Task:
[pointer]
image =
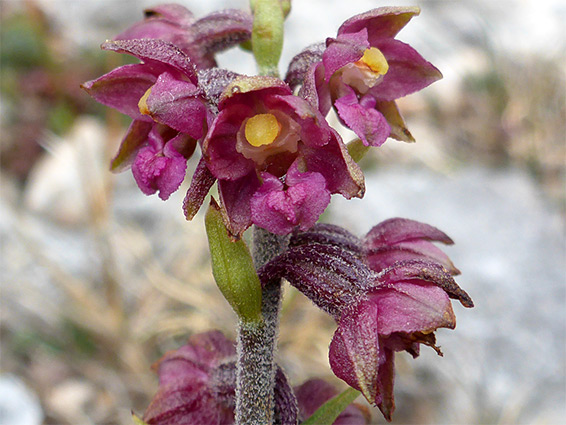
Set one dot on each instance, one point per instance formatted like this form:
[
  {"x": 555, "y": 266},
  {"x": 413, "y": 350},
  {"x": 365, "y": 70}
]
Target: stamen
[
  {"x": 142, "y": 104},
  {"x": 262, "y": 129},
  {"x": 375, "y": 60}
]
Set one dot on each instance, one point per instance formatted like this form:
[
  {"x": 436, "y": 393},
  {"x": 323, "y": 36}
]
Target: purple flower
[
  {"x": 387, "y": 293},
  {"x": 168, "y": 109},
  {"x": 200, "y": 39},
  {"x": 197, "y": 385},
  {"x": 363, "y": 71},
  {"x": 276, "y": 159}
]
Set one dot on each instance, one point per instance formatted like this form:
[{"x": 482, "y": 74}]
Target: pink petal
[
  {"x": 176, "y": 103},
  {"x": 408, "y": 71},
  {"x": 412, "y": 307},
  {"x": 346, "y": 48}
]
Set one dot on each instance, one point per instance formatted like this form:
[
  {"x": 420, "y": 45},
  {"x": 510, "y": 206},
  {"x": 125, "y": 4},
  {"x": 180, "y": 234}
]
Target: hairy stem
[{"x": 255, "y": 374}]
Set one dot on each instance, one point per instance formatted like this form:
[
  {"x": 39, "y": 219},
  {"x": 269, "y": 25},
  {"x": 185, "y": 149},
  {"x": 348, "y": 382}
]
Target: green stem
[
  {"x": 255, "y": 373},
  {"x": 267, "y": 35}
]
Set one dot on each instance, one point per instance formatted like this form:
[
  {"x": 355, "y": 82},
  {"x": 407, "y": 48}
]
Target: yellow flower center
[
  {"x": 262, "y": 129},
  {"x": 374, "y": 60},
  {"x": 142, "y": 104}
]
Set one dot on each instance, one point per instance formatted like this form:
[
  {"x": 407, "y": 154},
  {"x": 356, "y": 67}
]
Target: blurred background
[{"x": 98, "y": 280}]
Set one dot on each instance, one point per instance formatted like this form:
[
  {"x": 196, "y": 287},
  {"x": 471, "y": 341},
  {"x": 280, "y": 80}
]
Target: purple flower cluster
[
  {"x": 276, "y": 161},
  {"x": 274, "y": 156}
]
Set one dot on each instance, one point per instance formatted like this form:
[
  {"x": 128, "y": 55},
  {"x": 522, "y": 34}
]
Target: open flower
[
  {"x": 381, "y": 305},
  {"x": 363, "y": 71},
  {"x": 275, "y": 157},
  {"x": 200, "y": 39},
  {"x": 168, "y": 109}
]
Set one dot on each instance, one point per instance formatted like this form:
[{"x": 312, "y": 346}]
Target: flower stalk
[
  {"x": 255, "y": 368},
  {"x": 267, "y": 35}
]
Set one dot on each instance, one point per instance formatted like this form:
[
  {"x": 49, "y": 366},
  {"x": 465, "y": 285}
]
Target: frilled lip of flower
[
  {"x": 200, "y": 38},
  {"x": 299, "y": 202}
]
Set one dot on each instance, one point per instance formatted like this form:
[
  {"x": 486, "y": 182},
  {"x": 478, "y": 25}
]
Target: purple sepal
[
  {"x": 201, "y": 183},
  {"x": 383, "y": 22},
  {"x": 408, "y": 71},
  {"x": 123, "y": 87},
  {"x": 328, "y": 275},
  {"x": 155, "y": 52}
]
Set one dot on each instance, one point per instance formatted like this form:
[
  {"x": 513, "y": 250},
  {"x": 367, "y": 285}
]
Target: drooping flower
[
  {"x": 387, "y": 293},
  {"x": 275, "y": 158},
  {"x": 168, "y": 108},
  {"x": 363, "y": 71},
  {"x": 200, "y": 39},
  {"x": 197, "y": 385}
]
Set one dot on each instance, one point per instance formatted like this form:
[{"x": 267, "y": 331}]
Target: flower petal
[
  {"x": 408, "y": 71},
  {"x": 382, "y": 258},
  {"x": 151, "y": 51},
  {"x": 383, "y": 22},
  {"x": 346, "y": 48},
  {"x": 123, "y": 87},
  {"x": 426, "y": 272},
  {"x": 410, "y": 307},
  {"x": 135, "y": 138},
  {"x": 396, "y": 230},
  {"x": 222, "y": 29},
  {"x": 235, "y": 198},
  {"x": 177, "y": 104},
  {"x": 341, "y": 173},
  {"x": 201, "y": 183},
  {"x": 354, "y": 351}
]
